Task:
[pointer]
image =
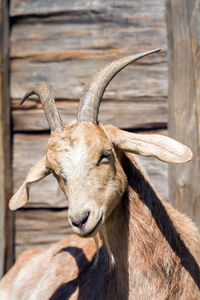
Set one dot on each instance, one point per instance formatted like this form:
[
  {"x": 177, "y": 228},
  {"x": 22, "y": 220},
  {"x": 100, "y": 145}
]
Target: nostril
[
  {"x": 85, "y": 219},
  {"x": 80, "y": 221}
]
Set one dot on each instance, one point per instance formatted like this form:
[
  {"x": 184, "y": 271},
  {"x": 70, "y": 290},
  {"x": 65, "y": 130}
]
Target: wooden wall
[
  {"x": 184, "y": 101},
  {"x": 64, "y": 43},
  {"x": 6, "y": 217}
]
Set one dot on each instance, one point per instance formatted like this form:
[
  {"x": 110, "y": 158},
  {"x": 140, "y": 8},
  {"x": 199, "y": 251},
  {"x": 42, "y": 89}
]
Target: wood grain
[
  {"x": 142, "y": 113},
  {"x": 67, "y": 78},
  {"x": 6, "y": 225},
  {"x": 29, "y": 148},
  {"x": 66, "y": 49},
  {"x": 86, "y": 36},
  {"x": 39, "y": 228},
  {"x": 123, "y": 7},
  {"x": 184, "y": 99}
]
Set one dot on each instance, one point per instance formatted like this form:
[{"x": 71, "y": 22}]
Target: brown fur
[
  {"x": 149, "y": 250},
  {"x": 155, "y": 249}
]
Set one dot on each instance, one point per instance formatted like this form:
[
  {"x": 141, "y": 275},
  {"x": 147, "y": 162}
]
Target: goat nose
[{"x": 80, "y": 220}]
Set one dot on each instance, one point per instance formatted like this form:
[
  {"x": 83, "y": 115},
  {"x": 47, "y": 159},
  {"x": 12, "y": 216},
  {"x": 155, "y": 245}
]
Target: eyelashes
[{"x": 105, "y": 157}]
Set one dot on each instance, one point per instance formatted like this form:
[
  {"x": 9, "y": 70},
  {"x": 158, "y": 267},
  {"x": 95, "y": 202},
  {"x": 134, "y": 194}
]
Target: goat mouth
[{"x": 91, "y": 232}]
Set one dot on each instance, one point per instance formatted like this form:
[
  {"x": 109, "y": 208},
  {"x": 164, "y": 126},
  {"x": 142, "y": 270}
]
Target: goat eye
[{"x": 105, "y": 156}]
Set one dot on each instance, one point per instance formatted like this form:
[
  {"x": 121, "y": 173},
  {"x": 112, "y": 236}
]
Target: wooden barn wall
[
  {"x": 184, "y": 101},
  {"x": 64, "y": 43},
  {"x": 6, "y": 216}
]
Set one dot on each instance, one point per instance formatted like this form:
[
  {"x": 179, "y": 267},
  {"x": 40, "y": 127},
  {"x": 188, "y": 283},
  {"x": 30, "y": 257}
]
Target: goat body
[
  {"x": 148, "y": 249},
  {"x": 155, "y": 250}
]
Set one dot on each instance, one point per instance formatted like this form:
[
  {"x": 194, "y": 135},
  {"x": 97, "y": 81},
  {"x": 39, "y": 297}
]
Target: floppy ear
[
  {"x": 37, "y": 172},
  {"x": 159, "y": 146}
]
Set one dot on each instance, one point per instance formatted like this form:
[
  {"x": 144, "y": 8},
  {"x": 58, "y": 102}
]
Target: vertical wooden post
[
  {"x": 6, "y": 224},
  {"x": 183, "y": 18}
]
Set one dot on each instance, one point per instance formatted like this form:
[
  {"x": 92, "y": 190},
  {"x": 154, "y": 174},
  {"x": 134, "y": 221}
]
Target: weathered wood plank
[
  {"x": 29, "y": 148},
  {"x": 184, "y": 99},
  {"x": 125, "y": 114},
  {"x": 82, "y": 38},
  {"x": 68, "y": 78},
  {"x": 6, "y": 225},
  {"x": 87, "y": 40},
  {"x": 40, "y": 7},
  {"x": 39, "y": 228}
]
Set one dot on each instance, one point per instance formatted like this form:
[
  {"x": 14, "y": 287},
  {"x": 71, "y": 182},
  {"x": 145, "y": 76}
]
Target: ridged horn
[
  {"x": 43, "y": 92},
  {"x": 93, "y": 92}
]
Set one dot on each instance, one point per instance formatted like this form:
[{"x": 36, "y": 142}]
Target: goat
[{"x": 146, "y": 248}]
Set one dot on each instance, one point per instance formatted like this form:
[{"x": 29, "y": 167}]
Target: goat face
[
  {"x": 84, "y": 161},
  {"x": 85, "y": 156}
]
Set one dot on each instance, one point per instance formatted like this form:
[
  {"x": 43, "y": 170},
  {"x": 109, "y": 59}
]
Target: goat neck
[{"x": 145, "y": 246}]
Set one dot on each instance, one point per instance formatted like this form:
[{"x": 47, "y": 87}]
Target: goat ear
[
  {"x": 159, "y": 146},
  {"x": 38, "y": 172}
]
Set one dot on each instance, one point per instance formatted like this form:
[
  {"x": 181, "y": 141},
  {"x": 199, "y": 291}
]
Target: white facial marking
[{"x": 74, "y": 160}]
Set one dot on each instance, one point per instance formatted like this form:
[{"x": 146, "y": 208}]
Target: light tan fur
[{"x": 149, "y": 250}]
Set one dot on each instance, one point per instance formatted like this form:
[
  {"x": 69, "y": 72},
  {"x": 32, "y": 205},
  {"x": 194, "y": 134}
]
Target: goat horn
[
  {"x": 42, "y": 90},
  {"x": 91, "y": 97}
]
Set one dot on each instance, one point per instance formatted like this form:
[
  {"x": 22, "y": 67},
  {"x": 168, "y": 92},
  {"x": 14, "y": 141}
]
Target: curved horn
[
  {"x": 91, "y": 97},
  {"x": 41, "y": 89}
]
